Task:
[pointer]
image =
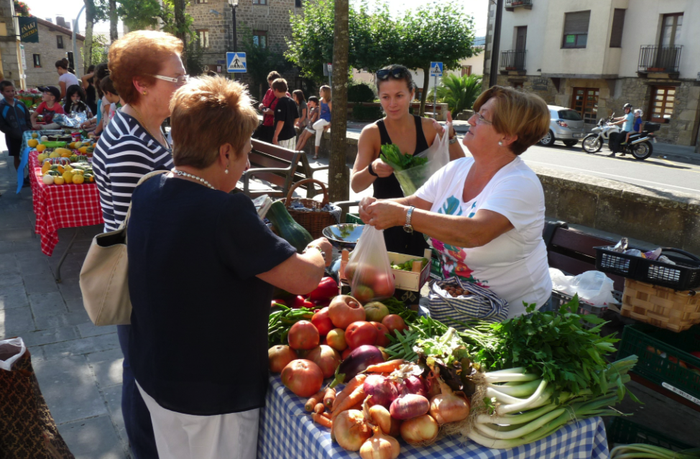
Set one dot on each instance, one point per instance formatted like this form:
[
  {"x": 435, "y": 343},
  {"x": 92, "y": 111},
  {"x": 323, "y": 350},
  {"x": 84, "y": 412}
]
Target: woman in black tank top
[{"x": 411, "y": 134}]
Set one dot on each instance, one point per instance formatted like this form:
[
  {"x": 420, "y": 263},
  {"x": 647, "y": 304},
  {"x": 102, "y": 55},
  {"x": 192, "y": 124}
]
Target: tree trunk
[
  {"x": 424, "y": 96},
  {"x": 113, "y": 20},
  {"x": 338, "y": 175},
  {"x": 181, "y": 26},
  {"x": 87, "y": 45}
]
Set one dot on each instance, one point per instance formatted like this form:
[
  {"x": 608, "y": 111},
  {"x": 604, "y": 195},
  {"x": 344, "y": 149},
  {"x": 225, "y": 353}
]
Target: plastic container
[
  {"x": 664, "y": 357},
  {"x": 622, "y": 431}
]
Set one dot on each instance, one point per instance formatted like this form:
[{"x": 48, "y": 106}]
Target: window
[
  {"x": 37, "y": 61},
  {"x": 260, "y": 38},
  {"x": 297, "y": 3},
  {"x": 466, "y": 70},
  {"x": 202, "y": 1},
  {"x": 259, "y": 2},
  {"x": 576, "y": 29},
  {"x": 517, "y": 85},
  {"x": 662, "y": 99},
  {"x": 59, "y": 41},
  {"x": 671, "y": 29},
  {"x": 617, "y": 26},
  {"x": 585, "y": 102},
  {"x": 203, "y": 38}
]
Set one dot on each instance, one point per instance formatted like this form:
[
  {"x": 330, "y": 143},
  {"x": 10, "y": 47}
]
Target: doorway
[{"x": 585, "y": 102}]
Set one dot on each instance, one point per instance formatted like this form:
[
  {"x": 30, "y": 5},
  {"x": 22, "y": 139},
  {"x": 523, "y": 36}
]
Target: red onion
[
  {"x": 382, "y": 390},
  {"x": 409, "y": 406},
  {"x": 414, "y": 385}
]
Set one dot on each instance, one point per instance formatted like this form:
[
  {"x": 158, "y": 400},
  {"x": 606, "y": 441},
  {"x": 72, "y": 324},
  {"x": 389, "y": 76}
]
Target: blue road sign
[
  {"x": 236, "y": 63},
  {"x": 435, "y": 69}
]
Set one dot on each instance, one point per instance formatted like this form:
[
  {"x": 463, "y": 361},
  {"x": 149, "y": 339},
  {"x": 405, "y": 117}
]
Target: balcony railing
[
  {"x": 513, "y": 61},
  {"x": 513, "y": 4},
  {"x": 659, "y": 59}
]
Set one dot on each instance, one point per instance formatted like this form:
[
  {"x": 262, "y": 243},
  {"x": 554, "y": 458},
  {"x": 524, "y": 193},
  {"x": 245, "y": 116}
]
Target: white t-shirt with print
[{"x": 514, "y": 264}]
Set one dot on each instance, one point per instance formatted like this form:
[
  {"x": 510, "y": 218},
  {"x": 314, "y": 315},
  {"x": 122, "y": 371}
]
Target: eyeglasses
[
  {"x": 183, "y": 79},
  {"x": 480, "y": 119},
  {"x": 396, "y": 73}
]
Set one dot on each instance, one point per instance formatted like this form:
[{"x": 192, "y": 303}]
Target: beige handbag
[{"x": 104, "y": 277}]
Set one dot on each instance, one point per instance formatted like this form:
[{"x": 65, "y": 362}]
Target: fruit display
[{"x": 60, "y": 165}]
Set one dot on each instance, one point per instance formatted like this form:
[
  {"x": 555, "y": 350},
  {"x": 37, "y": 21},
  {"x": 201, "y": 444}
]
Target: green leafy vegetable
[
  {"x": 408, "y": 265},
  {"x": 391, "y": 155}
]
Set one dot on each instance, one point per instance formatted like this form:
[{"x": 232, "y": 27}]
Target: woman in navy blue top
[{"x": 202, "y": 266}]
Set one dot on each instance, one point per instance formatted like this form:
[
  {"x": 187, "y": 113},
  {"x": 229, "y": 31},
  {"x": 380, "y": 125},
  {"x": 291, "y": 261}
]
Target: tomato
[
  {"x": 394, "y": 322},
  {"x": 382, "y": 331},
  {"x": 326, "y": 358},
  {"x": 359, "y": 333},
  {"x": 384, "y": 285},
  {"x": 279, "y": 356},
  {"x": 336, "y": 339},
  {"x": 327, "y": 289},
  {"x": 279, "y": 301},
  {"x": 346, "y": 353},
  {"x": 363, "y": 293},
  {"x": 345, "y": 310},
  {"x": 297, "y": 302},
  {"x": 322, "y": 322},
  {"x": 303, "y": 377},
  {"x": 303, "y": 335}
]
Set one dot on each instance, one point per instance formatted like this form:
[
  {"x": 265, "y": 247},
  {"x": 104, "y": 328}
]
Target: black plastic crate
[
  {"x": 684, "y": 275},
  {"x": 622, "y": 431}
]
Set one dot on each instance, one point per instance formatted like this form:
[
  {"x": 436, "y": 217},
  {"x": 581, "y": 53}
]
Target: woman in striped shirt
[{"x": 146, "y": 69}]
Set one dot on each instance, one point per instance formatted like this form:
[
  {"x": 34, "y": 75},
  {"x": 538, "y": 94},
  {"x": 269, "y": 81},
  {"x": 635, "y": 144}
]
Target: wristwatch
[{"x": 407, "y": 226}]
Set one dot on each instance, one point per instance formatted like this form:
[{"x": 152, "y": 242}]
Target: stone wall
[
  {"x": 214, "y": 17},
  {"x": 49, "y": 53},
  {"x": 9, "y": 68}
]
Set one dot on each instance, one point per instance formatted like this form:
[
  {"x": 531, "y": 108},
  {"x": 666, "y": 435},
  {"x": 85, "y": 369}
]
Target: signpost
[
  {"x": 236, "y": 63},
  {"x": 435, "y": 71}
]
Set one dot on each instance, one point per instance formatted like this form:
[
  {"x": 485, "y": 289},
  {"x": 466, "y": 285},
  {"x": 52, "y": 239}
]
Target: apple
[
  {"x": 382, "y": 331},
  {"x": 363, "y": 293},
  {"x": 303, "y": 335},
  {"x": 394, "y": 322},
  {"x": 345, "y": 310},
  {"x": 326, "y": 358},
  {"x": 279, "y": 356},
  {"x": 376, "y": 311},
  {"x": 359, "y": 333},
  {"x": 322, "y": 322},
  {"x": 336, "y": 339}
]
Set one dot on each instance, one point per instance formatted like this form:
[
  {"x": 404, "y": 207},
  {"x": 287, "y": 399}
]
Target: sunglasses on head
[{"x": 396, "y": 73}]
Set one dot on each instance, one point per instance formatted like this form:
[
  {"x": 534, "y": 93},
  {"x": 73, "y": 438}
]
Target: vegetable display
[{"x": 408, "y": 265}]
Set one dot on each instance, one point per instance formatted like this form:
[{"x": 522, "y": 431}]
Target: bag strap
[{"x": 143, "y": 179}]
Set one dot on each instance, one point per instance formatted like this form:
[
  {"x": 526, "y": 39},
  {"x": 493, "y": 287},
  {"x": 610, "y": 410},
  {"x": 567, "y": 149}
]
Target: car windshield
[{"x": 571, "y": 115}]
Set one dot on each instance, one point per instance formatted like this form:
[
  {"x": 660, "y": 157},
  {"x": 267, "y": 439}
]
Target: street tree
[
  {"x": 435, "y": 32},
  {"x": 261, "y": 60},
  {"x": 338, "y": 175},
  {"x": 94, "y": 12}
]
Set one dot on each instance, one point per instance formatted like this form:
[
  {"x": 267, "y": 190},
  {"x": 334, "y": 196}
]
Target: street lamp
[{"x": 234, "y": 5}]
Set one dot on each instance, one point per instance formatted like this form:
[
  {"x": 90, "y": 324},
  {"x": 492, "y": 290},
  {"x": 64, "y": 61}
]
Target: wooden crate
[{"x": 660, "y": 306}]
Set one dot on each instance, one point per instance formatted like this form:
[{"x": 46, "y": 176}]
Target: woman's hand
[
  {"x": 364, "y": 202},
  {"x": 383, "y": 214},
  {"x": 381, "y": 168},
  {"x": 323, "y": 244}
]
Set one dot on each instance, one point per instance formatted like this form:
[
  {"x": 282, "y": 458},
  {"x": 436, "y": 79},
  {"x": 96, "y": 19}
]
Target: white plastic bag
[
  {"x": 10, "y": 351},
  {"x": 438, "y": 155},
  {"x": 369, "y": 269},
  {"x": 593, "y": 287}
]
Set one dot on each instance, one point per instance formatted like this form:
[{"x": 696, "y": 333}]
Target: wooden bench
[{"x": 274, "y": 169}]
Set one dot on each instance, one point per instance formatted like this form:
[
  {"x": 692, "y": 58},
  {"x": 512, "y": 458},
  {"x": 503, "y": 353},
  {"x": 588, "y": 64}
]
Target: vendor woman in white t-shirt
[{"x": 485, "y": 214}]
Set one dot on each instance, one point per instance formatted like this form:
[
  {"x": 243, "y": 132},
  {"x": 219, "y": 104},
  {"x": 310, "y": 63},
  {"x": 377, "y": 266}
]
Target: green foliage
[
  {"x": 366, "y": 112},
  {"x": 459, "y": 92},
  {"x": 311, "y": 44},
  {"x": 143, "y": 14},
  {"x": 98, "y": 50},
  {"x": 194, "y": 58},
  {"x": 361, "y": 92}
]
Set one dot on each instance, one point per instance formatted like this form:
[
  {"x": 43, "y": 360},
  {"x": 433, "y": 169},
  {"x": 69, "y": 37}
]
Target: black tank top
[{"x": 397, "y": 240}]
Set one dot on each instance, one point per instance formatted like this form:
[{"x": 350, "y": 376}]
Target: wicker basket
[
  {"x": 313, "y": 221},
  {"x": 660, "y": 306}
]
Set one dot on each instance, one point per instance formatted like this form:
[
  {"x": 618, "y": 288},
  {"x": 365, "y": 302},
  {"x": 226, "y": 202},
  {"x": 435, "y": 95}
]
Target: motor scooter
[{"x": 639, "y": 145}]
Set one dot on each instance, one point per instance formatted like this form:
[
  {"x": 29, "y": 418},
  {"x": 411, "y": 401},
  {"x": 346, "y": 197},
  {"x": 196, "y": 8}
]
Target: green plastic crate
[
  {"x": 435, "y": 264},
  {"x": 624, "y": 432},
  {"x": 663, "y": 355},
  {"x": 353, "y": 218}
]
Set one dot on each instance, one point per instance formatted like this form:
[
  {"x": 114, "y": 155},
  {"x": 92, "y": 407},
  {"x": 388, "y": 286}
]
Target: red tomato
[
  {"x": 297, "y": 302},
  {"x": 303, "y": 377},
  {"x": 322, "y": 322},
  {"x": 345, "y": 310},
  {"x": 303, "y": 335},
  {"x": 359, "y": 333},
  {"x": 279, "y": 356},
  {"x": 327, "y": 289},
  {"x": 394, "y": 322},
  {"x": 326, "y": 358},
  {"x": 382, "y": 331},
  {"x": 279, "y": 301},
  {"x": 346, "y": 353}
]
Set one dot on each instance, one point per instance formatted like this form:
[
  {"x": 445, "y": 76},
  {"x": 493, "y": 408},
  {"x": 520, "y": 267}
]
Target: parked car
[{"x": 565, "y": 125}]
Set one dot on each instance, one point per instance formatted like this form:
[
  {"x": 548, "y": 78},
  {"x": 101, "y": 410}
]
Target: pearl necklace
[{"x": 194, "y": 177}]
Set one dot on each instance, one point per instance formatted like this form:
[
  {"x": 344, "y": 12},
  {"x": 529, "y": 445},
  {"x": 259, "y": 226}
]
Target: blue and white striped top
[{"x": 125, "y": 153}]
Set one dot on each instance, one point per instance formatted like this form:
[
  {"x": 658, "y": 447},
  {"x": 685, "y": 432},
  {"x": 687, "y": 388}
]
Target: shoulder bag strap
[{"x": 143, "y": 179}]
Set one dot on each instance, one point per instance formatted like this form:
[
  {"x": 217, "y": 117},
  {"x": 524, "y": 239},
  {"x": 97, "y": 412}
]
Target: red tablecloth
[{"x": 61, "y": 206}]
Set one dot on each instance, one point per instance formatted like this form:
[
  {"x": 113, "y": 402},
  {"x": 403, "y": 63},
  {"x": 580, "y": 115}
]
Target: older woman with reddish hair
[{"x": 146, "y": 70}]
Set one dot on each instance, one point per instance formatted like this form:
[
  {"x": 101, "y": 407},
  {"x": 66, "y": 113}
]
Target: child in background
[
  {"x": 299, "y": 98},
  {"x": 286, "y": 114},
  {"x": 324, "y": 117},
  {"x": 308, "y": 130},
  {"x": 75, "y": 97},
  {"x": 637, "y": 125},
  {"x": 14, "y": 120},
  {"x": 112, "y": 96},
  {"x": 48, "y": 107}
]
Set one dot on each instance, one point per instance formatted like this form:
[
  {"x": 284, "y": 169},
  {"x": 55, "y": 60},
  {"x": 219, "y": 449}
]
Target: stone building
[
  {"x": 596, "y": 55},
  {"x": 55, "y": 43},
  {"x": 10, "y": 50},
  {"x": 267, "y": 20}
]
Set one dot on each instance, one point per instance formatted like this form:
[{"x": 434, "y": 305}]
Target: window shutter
[
  {"x": 575, "y": 23},
  {"x": 617, "y": 27}
]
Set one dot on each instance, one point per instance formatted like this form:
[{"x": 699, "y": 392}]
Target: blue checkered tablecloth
[
  {"x": 24, "y": 153},
  {"x": 287, "y": 431}
]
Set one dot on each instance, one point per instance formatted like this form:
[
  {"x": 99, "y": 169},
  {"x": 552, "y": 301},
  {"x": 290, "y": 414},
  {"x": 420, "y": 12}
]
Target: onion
[
  {"x": 414, "y": 385},
  {"x": 380, "y": 416},
  {"x": 409, "y": 406},
  {"x": 380, "y": 446},
  {"x": 350, "y": 430},
  {"x": 381, "y": 389},
  {"x": 448, "y": 406},
  {"x": 421, "y": 429}
]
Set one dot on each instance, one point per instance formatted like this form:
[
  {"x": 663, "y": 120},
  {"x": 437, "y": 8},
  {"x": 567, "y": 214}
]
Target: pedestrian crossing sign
[
  {"x": 236, "y": 63},
  {"x": 436, "y": 69}
]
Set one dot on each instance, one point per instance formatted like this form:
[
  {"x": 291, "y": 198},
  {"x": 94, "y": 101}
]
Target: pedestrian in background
[
  {"x": 266, "y": 129},
  {"x": 66, "y": 78},
  {"x": 324, "y": 117},
  {"x": 300, "y": 100},
  {"x": 286, "y": 115},
  {"x": 309, "y": 130},
  {"x": 14, "y": 120}
]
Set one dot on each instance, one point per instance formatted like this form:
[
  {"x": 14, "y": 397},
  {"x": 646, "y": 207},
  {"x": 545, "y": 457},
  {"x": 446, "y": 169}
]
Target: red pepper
[
  {"x": 298, "y": 302},
  {"x": 327, "y": 289},
  {"x": 279, "y": 301}
]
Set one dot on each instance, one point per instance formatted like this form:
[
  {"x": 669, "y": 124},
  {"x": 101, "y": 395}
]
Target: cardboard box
[{"x": 409, "y": 280}]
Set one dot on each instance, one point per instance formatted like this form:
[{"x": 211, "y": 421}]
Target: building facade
[
  {"x": 55, "y": 43},
  {"x": 10, "y": 46},
  {"x": 596, "y": 55}
]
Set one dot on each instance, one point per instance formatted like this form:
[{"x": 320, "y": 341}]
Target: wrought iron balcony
[
  {"x": 511, "y": 5},
  {"x": 659, "y": 59},
  {"x": 513, "y": 61}
]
